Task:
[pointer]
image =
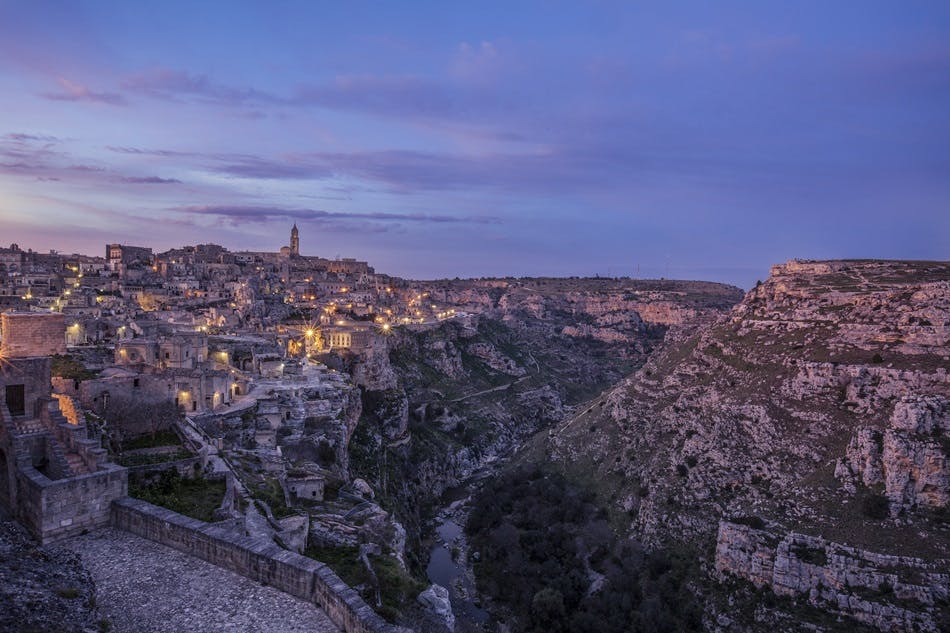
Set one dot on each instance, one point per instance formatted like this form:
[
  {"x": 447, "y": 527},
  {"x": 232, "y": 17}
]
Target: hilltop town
[{"x": 292, "y": 404}]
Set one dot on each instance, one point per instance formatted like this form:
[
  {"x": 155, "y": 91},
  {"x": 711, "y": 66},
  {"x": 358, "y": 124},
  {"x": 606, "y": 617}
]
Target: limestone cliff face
[
  {"x": 909, "y": 458},
  {"x": 614, "y": 311},
  {"x": 818, "y": 406},
  {"x": 444, "y": 400},
  {"x": 892, "y": 593}
]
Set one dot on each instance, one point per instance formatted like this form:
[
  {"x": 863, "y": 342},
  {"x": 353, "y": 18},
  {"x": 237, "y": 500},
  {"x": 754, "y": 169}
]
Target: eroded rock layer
[{"x": 817, "y": 409}]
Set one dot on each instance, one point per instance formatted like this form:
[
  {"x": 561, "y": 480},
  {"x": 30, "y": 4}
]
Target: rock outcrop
[
  {"x": 818, "y": 406},
  {"x": 892, "y": 593}
]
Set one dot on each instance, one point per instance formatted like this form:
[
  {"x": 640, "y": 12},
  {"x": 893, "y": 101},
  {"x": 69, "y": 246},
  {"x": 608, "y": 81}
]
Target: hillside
[
  {"x": 799, "y": 444},
  {"x": 442, "y": 401}
]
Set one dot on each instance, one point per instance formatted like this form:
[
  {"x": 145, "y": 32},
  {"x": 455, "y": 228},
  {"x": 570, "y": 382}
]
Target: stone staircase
[{"x": 76, "y": 464}]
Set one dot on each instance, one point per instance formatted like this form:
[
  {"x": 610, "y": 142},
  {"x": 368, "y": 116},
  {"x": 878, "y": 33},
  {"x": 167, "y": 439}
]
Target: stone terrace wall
[
  {"x": 259, "y": 559},
  {"x": 892, "y": 593},
  {"x": 56, "y": 509}
]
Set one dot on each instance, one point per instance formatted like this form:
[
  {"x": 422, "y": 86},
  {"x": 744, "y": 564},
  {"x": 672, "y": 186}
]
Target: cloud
[
  {"x": 34, "y": 155},
  {"x": 22, "y": 137},
  {"x": 173, "y": 85},
  {"x": 138, "y": 151},
  {"x": 255, "y": 167},
  {"x": 72, "y": 91},
  {"x": 242, "y": 213},
  {"x": 150, "y": 180}
]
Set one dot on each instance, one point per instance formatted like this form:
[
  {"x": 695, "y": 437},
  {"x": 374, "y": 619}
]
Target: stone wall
[
  {"x": 56, "y": 509},
  {"x": 259, "y": 559},
  {"x": 28, "y": 334},
  {"x": 892, "y": 593}
]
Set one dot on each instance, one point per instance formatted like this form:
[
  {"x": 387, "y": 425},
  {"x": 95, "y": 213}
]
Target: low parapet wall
[{"x": 259, "y": 559}]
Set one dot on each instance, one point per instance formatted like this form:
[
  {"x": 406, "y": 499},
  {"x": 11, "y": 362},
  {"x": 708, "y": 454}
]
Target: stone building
[
  {"x": 182, "y": 350},
  {"x": 120, "y": 255},
  {"x": 194, "y": 390},
  {"x": 54, "y": 476},
  {"x": 304, "y": 486}
]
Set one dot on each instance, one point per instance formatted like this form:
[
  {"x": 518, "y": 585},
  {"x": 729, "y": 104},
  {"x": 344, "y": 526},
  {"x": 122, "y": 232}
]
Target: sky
[{"x": 690, "y": 140}]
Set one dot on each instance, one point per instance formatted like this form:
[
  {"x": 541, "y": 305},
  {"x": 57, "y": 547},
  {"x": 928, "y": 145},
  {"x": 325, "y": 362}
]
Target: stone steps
[{"x": 76, "y": 464}]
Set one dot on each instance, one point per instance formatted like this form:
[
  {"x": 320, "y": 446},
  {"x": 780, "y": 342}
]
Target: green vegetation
[
  {"x": 810, "y": 555},
  {"x": 537, "y": 533},
  {"x": 131, "y": 418},
  {"x": 750, "y": 520},
  {"x": 270, "y": 492},
  {"x": 397, "y": 589},
  {"x": 165, "y": 437},
  {"x": 65, "y": 366},
  {"x": 875, "y": 507},
  {"x": 142, "y": 459},
  {"x": 197, "y": 498}
]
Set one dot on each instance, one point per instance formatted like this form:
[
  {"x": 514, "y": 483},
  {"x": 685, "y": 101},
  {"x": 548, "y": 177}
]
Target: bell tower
[{"x": 294, "y": 240}]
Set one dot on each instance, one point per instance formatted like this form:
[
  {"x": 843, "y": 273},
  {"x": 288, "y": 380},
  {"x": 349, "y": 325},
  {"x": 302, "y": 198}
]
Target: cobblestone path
[{"x": 142, "y": 586}]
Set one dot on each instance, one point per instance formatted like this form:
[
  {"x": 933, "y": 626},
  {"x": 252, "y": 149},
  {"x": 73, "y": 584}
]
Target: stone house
[{"x": 54, "y": 476}]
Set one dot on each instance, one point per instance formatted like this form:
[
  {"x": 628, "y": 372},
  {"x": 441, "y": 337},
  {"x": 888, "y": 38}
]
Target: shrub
[
  {"x": 536, "y": 532},
  {"x": 877, "y": 358},
  {"x": 750, "y": 520},
  {"x": 875, "y": 507}
]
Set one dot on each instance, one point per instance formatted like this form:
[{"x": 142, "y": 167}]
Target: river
[{"x": 448, "y": 561}]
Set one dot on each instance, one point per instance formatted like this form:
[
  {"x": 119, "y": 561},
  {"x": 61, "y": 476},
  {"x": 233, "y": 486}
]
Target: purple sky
[{"x": 686, "y": 140}]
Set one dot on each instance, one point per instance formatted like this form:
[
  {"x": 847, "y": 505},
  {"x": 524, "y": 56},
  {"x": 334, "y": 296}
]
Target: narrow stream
[
  {"x": 449, "y": 563},
  {"x": 452, "y": 575}
]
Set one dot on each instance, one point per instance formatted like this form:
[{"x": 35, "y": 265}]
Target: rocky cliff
[
  {"x": 615, "y": 311},
  {"x": 816, "y": 409},
  {"x": 442, "y": 401}
]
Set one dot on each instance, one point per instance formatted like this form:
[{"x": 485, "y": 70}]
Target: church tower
[{"x": 294, "y": 240}]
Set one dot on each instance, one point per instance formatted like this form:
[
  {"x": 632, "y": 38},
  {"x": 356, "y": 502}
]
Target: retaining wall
[{"x": 259, "y": 559}]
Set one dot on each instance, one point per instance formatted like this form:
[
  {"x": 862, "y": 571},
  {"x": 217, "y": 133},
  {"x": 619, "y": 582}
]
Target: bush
[
  {"x": 750, "y": 520},
  {"x": 197, "y": 498},
  {"x": 877, "y": 358},
  {"x": 875, "y": 507},
  {"x": 537, "y": 532}
]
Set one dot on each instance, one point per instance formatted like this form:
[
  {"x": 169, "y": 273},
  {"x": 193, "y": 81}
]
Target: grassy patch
[
  {"x": 141, "y": 459},
  {"x": 165, "y": 437},
  {"x": 271, "y": 493},
  {"x": 397, "y": 589},
  {"x": 197, "y": 498}
]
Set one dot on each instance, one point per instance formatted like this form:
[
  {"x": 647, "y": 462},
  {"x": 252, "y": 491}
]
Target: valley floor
[{"x": 144, "y": 586}]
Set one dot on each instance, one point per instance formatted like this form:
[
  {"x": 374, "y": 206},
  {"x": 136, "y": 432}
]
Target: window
[
  {"x": 135, "y": 382},
  {"x": 166, "y": 355}
]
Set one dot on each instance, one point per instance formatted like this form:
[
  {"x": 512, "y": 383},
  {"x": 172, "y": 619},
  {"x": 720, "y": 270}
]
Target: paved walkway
[{"x": 144, "y": 586}]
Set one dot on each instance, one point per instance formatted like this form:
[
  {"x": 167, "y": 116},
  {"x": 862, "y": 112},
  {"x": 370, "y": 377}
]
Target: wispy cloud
[
  {"x": 175, "y": 85},
  {"x": 72, "y": 91},
  {"x": 150, "y": 180},
  {"x": 45, "y": 158},
  {"x": 242, "y": 213}
]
